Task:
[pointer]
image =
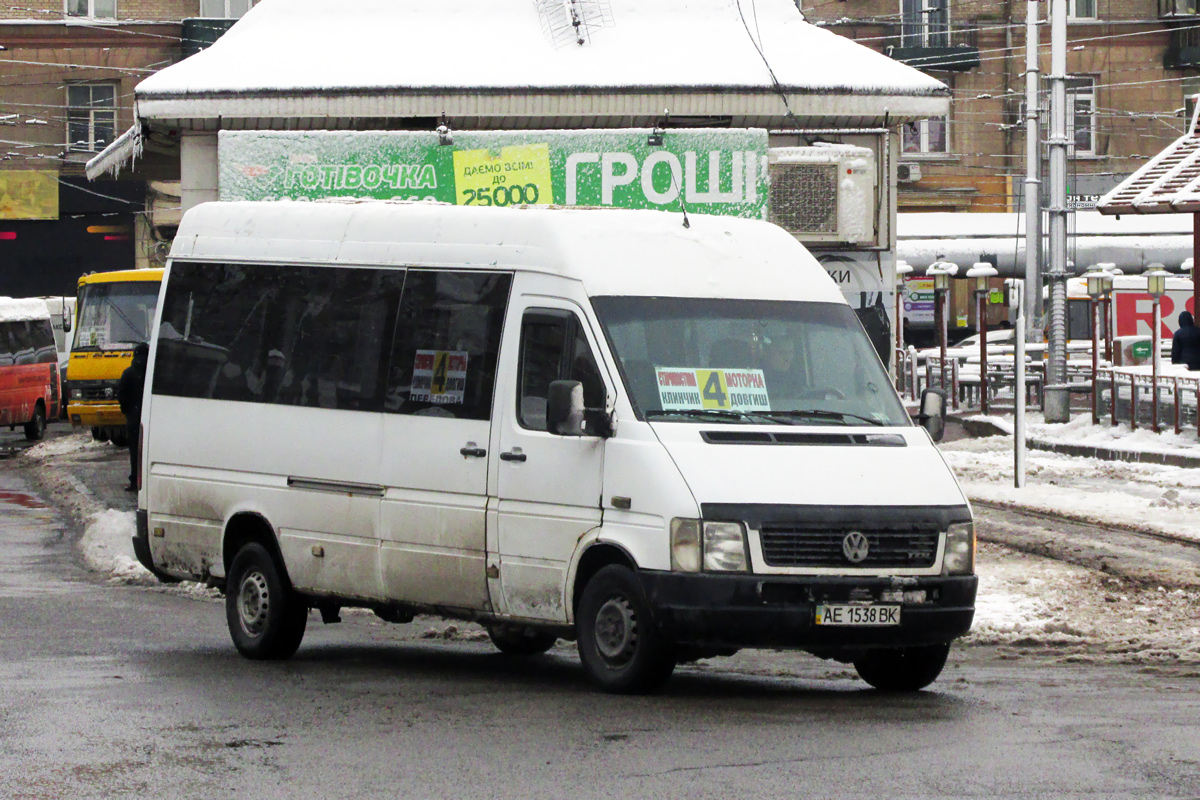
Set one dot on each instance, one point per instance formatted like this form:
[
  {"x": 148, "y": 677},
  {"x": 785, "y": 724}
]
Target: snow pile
[
  {"x": 106, "y": 547},
  {"x": 1081, "y": 431},
  {"x": 64, "y": 445},
  {"x": 1031, "y": 603}
]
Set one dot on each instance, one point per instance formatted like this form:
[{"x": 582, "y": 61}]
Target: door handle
[
  {"x": 473, "y": 452},
  {"x": 512, "y": 455}
]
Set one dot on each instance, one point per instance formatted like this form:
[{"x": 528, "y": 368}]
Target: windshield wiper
[
  {"x": 711, "y": 412},
  {"x": 819, "y": 413}
]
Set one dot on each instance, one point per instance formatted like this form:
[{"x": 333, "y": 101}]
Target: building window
[
  {"x": 1081, "y": 116},
  {"x": 96, "y": 9},
  {"x": 91, "y": 115},
  {"x": 1177, "y": 8},
  {"x": 1081, "y": 9},
  {"x": 925, "y": 23},
  {"x": 224, "y": 9},
  {"x": 928, "y": 136}
]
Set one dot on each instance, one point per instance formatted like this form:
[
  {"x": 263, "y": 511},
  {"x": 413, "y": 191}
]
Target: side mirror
[
  {"x": 564, "y": 408},
  {"x": 66, "y": 316},
  {"x": 933, "y": 413}
]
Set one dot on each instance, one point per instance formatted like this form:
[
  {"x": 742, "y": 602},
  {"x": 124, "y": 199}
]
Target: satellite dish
[{"x": 567, "y": 22}]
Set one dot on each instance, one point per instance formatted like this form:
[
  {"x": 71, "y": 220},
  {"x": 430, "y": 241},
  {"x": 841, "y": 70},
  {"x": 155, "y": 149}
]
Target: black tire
[
  {"x": 266, "y": 617},
  {"x": 519, "y": 640},
  {"x": 619, "y": 643},
  {"x": 903, "y": 669},
  {"x": 119, "y": 438},
  {"x": 99, "y": 434},
  {"x": 35, "y": 429}
]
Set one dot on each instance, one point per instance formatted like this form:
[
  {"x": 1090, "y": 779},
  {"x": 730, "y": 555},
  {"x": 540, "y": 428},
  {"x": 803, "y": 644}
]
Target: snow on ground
[
  {"x": 1076, "y": 614},
  {"x": 1148, "y": 496}
]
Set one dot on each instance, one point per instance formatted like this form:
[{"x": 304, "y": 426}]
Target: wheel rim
[
  {"x": 616, "y": 630},
  {"x": 254, "y": 603}
]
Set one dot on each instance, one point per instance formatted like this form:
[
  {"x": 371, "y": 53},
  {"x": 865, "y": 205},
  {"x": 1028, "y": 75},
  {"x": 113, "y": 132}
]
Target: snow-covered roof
[
  {"x": 1169, "y": 183},
  {"x": 611, "y": 251},
  {"x": 15, "y": 310},
  {"x": 494, "y": 60}
]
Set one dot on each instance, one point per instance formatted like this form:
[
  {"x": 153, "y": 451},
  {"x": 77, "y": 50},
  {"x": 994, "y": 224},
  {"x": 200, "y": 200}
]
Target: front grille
[
  {"x": 97, "y": 393},
  {"x": 796, "y": 544}
]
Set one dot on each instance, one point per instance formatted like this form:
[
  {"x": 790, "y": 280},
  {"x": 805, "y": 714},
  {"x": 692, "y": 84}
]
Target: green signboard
[{"x": 706, "y": 171}]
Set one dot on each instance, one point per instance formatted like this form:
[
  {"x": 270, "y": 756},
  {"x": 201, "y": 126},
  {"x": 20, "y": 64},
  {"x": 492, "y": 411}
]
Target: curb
[{"x": 981, "y": 428}]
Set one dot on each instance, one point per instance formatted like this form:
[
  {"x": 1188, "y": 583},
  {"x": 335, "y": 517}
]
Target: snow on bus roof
[
  {"x": 402, "y": 45},
  {"x": 612, "y": 251},
  {"x": 19, "y": 309}
]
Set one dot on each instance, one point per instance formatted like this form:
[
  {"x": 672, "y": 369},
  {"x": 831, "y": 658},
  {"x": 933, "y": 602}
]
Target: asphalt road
[{"x": 115, "y": 691}]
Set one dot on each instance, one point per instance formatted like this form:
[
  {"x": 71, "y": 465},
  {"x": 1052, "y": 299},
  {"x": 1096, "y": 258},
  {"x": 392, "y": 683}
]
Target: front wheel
[
  {"x": 118, "y": 437},
  {"x": 35, "y": 429},
  {"x": 903, "y": 669},
  {"x": 518, "y": 640},
  {"x": 619, "y": 645},
  {"x": 266, "y": 617}
]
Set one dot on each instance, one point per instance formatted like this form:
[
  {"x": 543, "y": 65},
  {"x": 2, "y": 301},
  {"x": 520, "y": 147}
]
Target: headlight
[
  {"x": 712, "y": 546},
  {"x": 685, "y": 545},
  {"x": 960, "y": 549},
  {"x": 77, "y": 394},
  {"x": 724, "y": 547}
]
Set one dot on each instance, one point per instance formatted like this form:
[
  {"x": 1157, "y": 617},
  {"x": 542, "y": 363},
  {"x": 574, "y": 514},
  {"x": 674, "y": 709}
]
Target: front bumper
[
  {"x": 90, "y": 414},
  {"x": 779, "y": 611}
]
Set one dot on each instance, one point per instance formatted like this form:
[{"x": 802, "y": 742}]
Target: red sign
[{"x": 1134, "y": 312}]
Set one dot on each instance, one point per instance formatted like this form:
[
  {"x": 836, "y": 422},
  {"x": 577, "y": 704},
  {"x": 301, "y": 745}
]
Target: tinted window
[
  {"x": 42, "y": 335},
  {"x": 553, "y": 348},
  {"x": 447, "y": 340},
  {"x": 305, "y": 336},
  {"x": 6, "y": 344}
]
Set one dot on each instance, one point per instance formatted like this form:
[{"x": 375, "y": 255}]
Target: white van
[{"x": 664, "y": 438}]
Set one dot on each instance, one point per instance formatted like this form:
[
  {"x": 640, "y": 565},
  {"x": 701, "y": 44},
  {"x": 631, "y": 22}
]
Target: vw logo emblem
[{"x": 855, "y": 547}]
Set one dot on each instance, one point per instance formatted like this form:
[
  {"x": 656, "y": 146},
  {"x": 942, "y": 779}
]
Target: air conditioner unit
[
  {"x": 907, "y": 173},
  {"x": 824, "y": 193}
]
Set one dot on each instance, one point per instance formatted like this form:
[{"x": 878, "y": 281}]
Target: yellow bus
[{"x": 114, "y": 311}]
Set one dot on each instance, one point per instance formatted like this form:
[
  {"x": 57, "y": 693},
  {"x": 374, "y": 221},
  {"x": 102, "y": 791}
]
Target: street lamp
[
  {"x": 1156, "y": 286},
  {"x": 981, "y": 271},
  {"x": 1097, "y": 276},
  {"x": 941, "y": 272},
  {"x": 903, "y": 268}
]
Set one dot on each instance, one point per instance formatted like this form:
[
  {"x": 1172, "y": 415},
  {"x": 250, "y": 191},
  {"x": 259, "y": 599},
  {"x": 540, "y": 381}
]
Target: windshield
[
  {"x": 750, "y": 361},
  {"x": 115, "y": 316}
]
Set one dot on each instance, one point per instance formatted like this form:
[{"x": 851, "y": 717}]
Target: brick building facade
[
  {"x": 1132, "y": 65},
  {"x": 67, "y": 74}
]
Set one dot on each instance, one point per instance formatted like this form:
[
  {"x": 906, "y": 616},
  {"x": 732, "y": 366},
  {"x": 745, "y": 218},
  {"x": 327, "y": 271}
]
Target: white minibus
[{"x": 664, "y": 438}]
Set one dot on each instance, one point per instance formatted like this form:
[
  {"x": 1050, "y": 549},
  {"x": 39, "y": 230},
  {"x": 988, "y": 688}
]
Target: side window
[
  {"x": 43, "y": 335},
  {"x": 304, "y": 336},
  {"x": 24, "y": 349},
  {"x": 6, "y": 345},
  {"x": 447, "y": 342},
  {"x": 553, "y": 348}
]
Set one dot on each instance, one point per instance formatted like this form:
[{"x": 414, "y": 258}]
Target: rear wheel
[
  {"x": 266, "y": 617},
  {"x": 619, "y": 645},
  {"x": 519, "y": 640},
  {"x": 35, "y": 429},
  {"x": 903, "y": 669}
]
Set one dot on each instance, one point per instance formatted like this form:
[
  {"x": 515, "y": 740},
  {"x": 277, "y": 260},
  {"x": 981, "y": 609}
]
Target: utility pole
[
  {"x": 1033, "y": 171},
  {"x": 1058, "y": 398}
]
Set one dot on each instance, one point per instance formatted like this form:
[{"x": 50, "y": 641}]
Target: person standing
[
  {"x": 1185, "y": 344},
  {"x": 129, "y": 397}
]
